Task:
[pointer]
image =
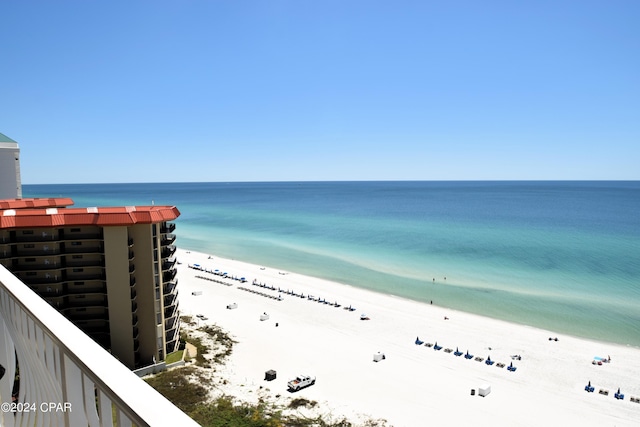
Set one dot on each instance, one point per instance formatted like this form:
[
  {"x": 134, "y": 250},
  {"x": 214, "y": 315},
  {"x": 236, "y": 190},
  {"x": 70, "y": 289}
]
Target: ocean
[{"x": 563, "y": 256}]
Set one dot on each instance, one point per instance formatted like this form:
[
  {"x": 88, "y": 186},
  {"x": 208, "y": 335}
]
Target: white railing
[{"x": 65, "y": 378}]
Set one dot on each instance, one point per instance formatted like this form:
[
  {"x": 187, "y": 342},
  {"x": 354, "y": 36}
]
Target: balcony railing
[
  {"x": 84, "y": 236},
  {"x": 59, "y": 364},
  {"x": 168, "y": 227},
  {"x": 168, "y": 264},
  {"x": 168, "y": 239},
  {"x": 170, "y": 287},
  {"x": 169, "y": 275},
  {"x": 168, "y": 251}
]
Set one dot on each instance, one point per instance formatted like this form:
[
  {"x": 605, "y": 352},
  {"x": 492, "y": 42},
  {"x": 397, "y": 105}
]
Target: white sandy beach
[{"x": 414, "y": 385}]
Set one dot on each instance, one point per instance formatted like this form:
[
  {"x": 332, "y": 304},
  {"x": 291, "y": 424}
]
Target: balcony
[
  {"x": 83, "y": 249},
  {"x": 170, "y": 287},
  {"x": 168, "y": 276},
  {"x": 96, "y": 262},
  {"x": 83, "y": 236},
  {"x": 46, "y": 251},
  {"x": 57, "y": 359},
  {"x": 67, "y": 303},
  {"x": 49, "y": 278},
  {"x": 170, "y": 299},
  {"x": 172, "y": 323},
  {"x": 92, "y": 274},
  {"x": 46, "y": 235},
  {"x": 76, "y": 315},
  {"x": 170, "y": 311},
  {"x": 171, "y": 336},
  {"x": 6, "y": 253},
  {"x": 168, "y": 227},
  {"x": 88, "y": 288},
  {"x": 168, "y": 239},
  {"x": 168, "y": 251},
  {"x": 168, "y": 264}
]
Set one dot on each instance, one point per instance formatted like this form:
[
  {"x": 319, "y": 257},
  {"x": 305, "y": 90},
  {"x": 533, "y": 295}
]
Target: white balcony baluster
[{"x": 64, "y": 375}]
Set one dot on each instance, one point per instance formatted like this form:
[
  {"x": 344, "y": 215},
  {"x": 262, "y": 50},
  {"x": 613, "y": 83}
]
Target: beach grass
[
  {"x": 189, "y": 388},
  {"x": 175, "y": 385},
  {"x": 191, "y": 397},
  {"x": 174, "y": 357}
]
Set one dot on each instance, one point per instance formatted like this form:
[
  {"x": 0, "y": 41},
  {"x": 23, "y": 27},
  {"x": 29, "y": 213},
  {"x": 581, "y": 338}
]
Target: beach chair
[
  {"x": 437, "y": 347},
  {"x": 619, "y": 395},
  {"x": 418, "y": 342},
  {"x": 457, "y": 352},
  {"x": 468, "y": 356},
  {"x": 489, "y": 361}
]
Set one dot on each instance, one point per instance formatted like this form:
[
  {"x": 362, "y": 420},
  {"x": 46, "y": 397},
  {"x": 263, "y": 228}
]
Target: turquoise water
[{"x": 563, "y": 256}]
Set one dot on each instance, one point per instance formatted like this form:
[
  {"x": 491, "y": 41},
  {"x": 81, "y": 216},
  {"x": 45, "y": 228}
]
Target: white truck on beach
[{"x": 300, "y": 382}]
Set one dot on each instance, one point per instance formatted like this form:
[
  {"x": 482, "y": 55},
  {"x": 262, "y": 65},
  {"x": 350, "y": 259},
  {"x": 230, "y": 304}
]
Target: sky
[{"x": 294, "y": 90}]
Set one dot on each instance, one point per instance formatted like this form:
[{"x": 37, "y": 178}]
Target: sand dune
[{"x": 414, "y": 384}]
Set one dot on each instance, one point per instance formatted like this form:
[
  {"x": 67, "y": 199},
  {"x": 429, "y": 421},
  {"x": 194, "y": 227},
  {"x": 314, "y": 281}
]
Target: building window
[
  {"x": 75, "y": 230},
  {"x": 78, "y": 270},
  {"x": 78, "y": 283},
  {"x": 76, "y": 243},
  {"x": 27, "y": 231},
  {"x": 76, "y": 257},
  {"x": 29, "y": 246},
  {"x": 30, "y": 260}
]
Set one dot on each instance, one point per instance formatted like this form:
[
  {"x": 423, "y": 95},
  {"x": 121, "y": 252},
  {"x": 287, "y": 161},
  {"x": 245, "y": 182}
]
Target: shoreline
[
  {"x": 302, "y": 336},
  {"x": 535, "y": 309}
]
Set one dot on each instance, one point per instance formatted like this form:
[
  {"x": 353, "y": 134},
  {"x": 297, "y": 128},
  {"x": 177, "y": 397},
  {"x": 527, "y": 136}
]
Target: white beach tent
[{"x": 484, "y": 390}]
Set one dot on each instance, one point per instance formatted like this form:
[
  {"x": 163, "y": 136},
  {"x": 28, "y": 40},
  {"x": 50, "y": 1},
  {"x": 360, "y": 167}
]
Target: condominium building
[
  {"x": 111, "y": 271},
  {"x": 10, "y": 182}
]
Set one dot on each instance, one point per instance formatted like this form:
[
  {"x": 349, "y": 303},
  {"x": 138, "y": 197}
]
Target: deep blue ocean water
[{"x": 563, "y": 256}]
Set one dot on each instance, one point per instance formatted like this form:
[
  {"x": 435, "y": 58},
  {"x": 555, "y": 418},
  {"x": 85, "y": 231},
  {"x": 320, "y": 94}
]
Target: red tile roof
[
  {"x": 12, "y": 215},
  {"x": 59, "y": 202}
]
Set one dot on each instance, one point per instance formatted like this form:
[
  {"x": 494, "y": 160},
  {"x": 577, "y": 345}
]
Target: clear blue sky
[{"x": 197, "y": 90}]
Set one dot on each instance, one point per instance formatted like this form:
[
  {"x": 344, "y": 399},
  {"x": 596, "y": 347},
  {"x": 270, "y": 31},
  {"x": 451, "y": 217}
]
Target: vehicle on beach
[{"x": 300, "y": 382}]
